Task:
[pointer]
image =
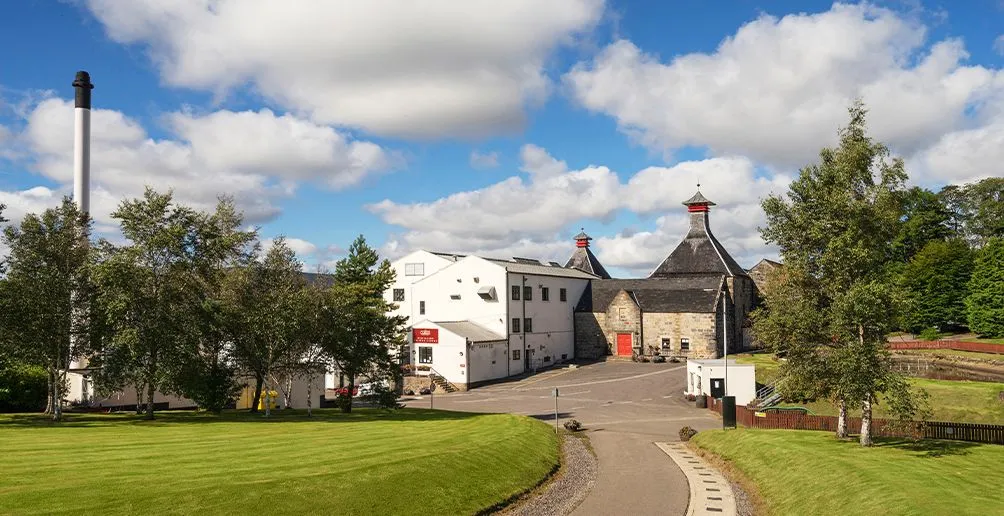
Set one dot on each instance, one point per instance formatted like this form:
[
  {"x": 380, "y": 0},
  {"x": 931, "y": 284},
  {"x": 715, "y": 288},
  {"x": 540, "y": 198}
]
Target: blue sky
[{"x": 498, "y": 127}]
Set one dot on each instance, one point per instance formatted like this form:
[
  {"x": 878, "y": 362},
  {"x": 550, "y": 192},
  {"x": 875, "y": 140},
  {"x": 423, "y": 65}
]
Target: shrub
[
  {"x": 929, "y": 334},
  {"x": 686, "y": 433},
  {"x": 675, "y": 360},
  {"x": 658, "y": 359},
  {"x": 573, "y": 425},
  {"x": 644, "y": 359},
  {"x": 383, "y": 397},
  {"x": 409, "y": 392},
  {"x": 690, "y": 397},
  {"x": 23, "y": 388}
]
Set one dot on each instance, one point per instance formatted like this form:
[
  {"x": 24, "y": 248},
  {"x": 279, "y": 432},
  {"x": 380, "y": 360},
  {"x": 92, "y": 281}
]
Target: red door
[{"x": 624, "y": 344}]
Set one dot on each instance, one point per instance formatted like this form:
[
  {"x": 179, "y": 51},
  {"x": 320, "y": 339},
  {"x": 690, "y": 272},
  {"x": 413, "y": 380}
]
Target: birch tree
[
  {"x": 147, "y": 292},
  {"x": 264, "y": 303},
  {"x": 836, "y": 228},
  {"x": 48, "y": 273}
]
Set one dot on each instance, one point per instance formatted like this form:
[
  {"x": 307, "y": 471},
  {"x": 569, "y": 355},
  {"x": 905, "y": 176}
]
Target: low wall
[{"x": 958, "y": 345}]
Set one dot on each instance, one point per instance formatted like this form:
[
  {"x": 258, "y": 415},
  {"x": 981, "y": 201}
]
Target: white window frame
[{"x": 414, "y": 269}]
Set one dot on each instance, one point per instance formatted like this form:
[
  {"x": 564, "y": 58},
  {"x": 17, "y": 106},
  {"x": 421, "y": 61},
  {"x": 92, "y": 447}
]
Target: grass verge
[
  {"x": 367, "y": 462},
  {"x": 951, "y": 400},
  {"x": 802, "y": 472}
]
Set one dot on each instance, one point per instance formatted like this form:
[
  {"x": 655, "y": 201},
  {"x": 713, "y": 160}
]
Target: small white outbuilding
[{"x": 708, "y": 377}]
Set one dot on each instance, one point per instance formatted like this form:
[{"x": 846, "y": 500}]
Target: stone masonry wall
[
  {"x": 698, "y": 327},
  {"x": 596, "y": 333},
  {"x": 590, "y": 337}
]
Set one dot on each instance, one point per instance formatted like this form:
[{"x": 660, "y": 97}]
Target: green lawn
[
  {"x": 981, "y": 339},
  {"x": 801, "y": 472},
  {"x": 960, "y": 401},
  {"x": 370, "y": 462}
]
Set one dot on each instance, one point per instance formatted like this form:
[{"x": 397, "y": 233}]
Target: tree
[
  {"x": 209, "y": 370},
  {"x": 835, "y": 232},
  {"x": 357, "y": 332},
  {"x": 985, "y": 304},
  {"x": 148, "y": 295},
  {"x": 976, "y": 210},
  {"x": 925, "y": 219},
  {"x": 47, "y": 277},
  {"x": 263, "y": 307},
  {"x": 935, "y": 283}
]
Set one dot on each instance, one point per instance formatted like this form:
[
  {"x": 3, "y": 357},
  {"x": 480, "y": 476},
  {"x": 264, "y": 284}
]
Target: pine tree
[{"x": 985, "y": 304}]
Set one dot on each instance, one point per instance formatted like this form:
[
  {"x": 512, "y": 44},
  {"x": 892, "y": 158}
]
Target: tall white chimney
[{"x": 82, "y": 141}]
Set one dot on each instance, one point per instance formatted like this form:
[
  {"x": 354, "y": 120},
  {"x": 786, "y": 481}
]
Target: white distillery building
[{"x": 472, "y": 319}]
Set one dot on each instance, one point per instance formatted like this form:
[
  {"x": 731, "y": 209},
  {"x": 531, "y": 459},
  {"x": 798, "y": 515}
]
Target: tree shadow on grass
[
  {"x": 168, "y": 418},
  {"x": 928, "y": 448}
]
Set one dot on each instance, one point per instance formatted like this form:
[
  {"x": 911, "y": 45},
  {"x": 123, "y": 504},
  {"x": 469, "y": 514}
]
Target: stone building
[
  {"x": 694, "y": 304},
  {"x": 762, "y": 270}
]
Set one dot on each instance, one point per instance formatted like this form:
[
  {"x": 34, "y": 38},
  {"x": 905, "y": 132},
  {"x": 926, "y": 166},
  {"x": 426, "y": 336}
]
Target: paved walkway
[
  {"x": 626, "y": 408},
  {"x": 710, "y": 492}
]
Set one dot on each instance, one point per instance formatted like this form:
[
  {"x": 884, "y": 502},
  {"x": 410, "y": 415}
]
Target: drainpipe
[{"x": 522, "y": 324}]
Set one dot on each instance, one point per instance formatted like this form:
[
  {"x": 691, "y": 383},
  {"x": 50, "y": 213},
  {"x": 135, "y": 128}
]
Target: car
[{"x": 344, "y": 391}]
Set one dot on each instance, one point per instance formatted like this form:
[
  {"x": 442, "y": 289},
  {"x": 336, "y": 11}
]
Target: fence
[
  {"x": 991, "y": 434},
  {"x": 958, "y": 345}
]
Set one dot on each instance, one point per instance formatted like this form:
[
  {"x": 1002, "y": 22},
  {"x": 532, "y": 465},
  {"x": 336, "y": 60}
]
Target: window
[
  {"x": 421, "y": 308},
  {"x": 684, "y": 344},
  {"x": 621, "y": 312},
  {"x": 563, "y": 295},
  {"x": 425, "y": 354},
  {"x": 399, "y": 294},
  {"x": 515, "y": 324},
  {"x": 414, "y": 269},
  {"x": 515, "y": 354},
  {"x": 528, "y": 325},
  {"x": 545, "y": 294},
  {"x": 527, "y": 293},
  {"x": 515, "y": 292},
  {"x": 667, "y": 343}
]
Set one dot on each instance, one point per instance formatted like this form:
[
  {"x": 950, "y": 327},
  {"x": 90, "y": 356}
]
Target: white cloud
[
  {"x": 516, "y": 217},
  {"x": 777, "y": 90},
  {"x": 961, "y": 156},
  {"x": 512, "y": 209},
  {"x": 486, "y": 160},
  {"x": 257, "y": 157},
  {"x": 414, "y": 69}
]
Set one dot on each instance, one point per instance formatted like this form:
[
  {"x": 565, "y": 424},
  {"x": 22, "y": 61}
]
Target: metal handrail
[{"x": 433, "y": 372}]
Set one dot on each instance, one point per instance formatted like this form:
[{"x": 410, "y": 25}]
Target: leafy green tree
[
  {"x": 835, "y": 231},
  {"x": 358, "y": 334},
  {"x": 925, "y": 219},
  {"x": 976, "y": 210},
  {"x": 936, "y": 282},
  {"x": 264, "y": 305},
  {"x": 985, "y": 304},
  {"x": 149, "y": 295},
  {"x": 47, "y": 277},
  {"x": 208, "y": 373}
]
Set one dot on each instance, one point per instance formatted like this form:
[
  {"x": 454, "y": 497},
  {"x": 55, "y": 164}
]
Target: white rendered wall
[
  {"x": 409, "y": 307},
  {"x": 741, "y": 381},
  {"x": 447, "y": 359},
  {"x": 463, "y": 278},
  {"x": 487, "y": 361},
  {"x": 553, "y": 329}
]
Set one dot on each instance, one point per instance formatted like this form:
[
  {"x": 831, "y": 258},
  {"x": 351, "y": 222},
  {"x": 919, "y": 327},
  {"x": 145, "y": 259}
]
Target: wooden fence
[
  {"x": 991, "y": 434},
  {"x": 958, "y": 345}
]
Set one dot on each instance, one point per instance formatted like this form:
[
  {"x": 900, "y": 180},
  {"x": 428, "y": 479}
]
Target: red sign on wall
[{"x": 425, "y": 335}]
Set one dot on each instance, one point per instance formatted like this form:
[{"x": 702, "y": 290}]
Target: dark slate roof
[
  {"x": 699, "y": 253},
  {"x": 584, "y": 260},
  {"x": 679, "y": 294},
  {"x": 698, "y": 198}
]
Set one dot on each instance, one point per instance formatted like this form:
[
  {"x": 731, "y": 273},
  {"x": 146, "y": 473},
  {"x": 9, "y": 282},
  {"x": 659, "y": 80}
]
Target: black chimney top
[{"x": 82, "y": 85}]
